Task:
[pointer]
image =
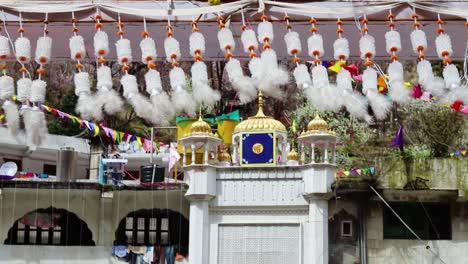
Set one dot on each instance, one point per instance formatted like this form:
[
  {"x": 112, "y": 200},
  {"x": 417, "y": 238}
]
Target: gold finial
[{"x": 260, "y": 104}]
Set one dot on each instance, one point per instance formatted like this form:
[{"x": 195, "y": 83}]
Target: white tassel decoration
[
  {"x": 172, "y": 49},
  {"x": 23, "y": 49},
  {"x": 249, "y": 40},
  {"x": 443, "y": 45},
  {"x": 265, "y": 32},
  {"x": 43, "y": 50},
  {"x": 397, "y": 88},
  {"x": 7, "y": 87},
  {"x": 272, "y": 76},
  {"x": 108, "y": 98},
  {"x": 153, "y": 81},
  {"x": 36, "y": 127},
  {"x": 101, "y": 43},
  {"x": 451, "y": 77},
  {"x": 392, "y": 41},
  {"x": 418, "y": 40},
  {"x": 88, "y": 107},
  {"x": 202, "y": 92},
  {"x": 354, "y": 102},
  {"x": 226, "y": 40},
  {"x": 24, "y": 89},
  {"x": 197, "y": 43},
  {"x": 429, "y": 82},
  {"x": 293, "y": 43},
  {"x": 141, "y": 105},
  {"x": 315, "y": 44},
  {"x": 82, "y": 84},
  {"x": 162, "y": 107},
  {"x": 12, "y": 117},
  {"x": 242, "y": 84},
  {"x": 182, "y": 100},
  {"x": 302, "y": 76},
  {"x": 379, "y": 104},
  {"x": 341, "y": 49},
  {"x": 124, "y": 51},
  {"x": 148, "y": 50},
  {"x": 38, "y": 91},
  {"x": 129, "y": 84},
  {"x": 367, "y": 46},
  {"x": 104, "y": 77},
  {"x": 4, "y": 47},
  {"x": 328, "y": 97},
  {"x": 77, "y": 48}
]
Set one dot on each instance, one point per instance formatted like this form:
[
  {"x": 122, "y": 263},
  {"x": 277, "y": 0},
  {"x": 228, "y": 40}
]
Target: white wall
[
  {"x": 412, "y": 251},
  {"x": 102, "y": 215}
]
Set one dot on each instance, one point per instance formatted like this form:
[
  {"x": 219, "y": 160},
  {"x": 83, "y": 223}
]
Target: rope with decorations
[
  {"x": 203, "y": 93},
  {"x": 396, "y": 83},
  {"x": 107, "y": 98},
  {"x": 7, "y": 89},
  {"x": 36, "y": 127},
  {"x": 455, "y": 94},
  {"x": 378, "y": 102},
  {"x": 354, "y": 101},
  {"x": 426, "y": 78},
  {"x": 181, "y": 98},
  {"x": 85, "y": 105},
  {"x": 326, "y": 96},
  {"x": 266, "y": 73},
  {"x": 242, "y": 84},
  {"x": 141, "y": 104},
  {"x": 301, "y": 72},
  {"x": 162, "y": 110}
]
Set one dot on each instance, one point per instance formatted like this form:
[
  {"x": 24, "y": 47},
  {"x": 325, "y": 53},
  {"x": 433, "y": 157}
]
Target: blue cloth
[
  {"x": 119, "y": 251},
  {"x": 169, "y": 254},
  {"x": 258, "y": 148}
]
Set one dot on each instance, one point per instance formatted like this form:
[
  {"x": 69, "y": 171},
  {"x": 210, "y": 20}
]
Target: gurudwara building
[{"x": 257, "y": 203}]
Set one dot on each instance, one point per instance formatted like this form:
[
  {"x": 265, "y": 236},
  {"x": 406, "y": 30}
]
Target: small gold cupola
[
  {"x": 317, "y": 125},
  {"x": 260, "y": 122},
  {"x": 293, "y": 155}
]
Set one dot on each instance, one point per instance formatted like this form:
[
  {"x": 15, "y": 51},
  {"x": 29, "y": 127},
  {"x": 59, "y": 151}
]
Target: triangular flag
[{"x": 336, "y": 67}]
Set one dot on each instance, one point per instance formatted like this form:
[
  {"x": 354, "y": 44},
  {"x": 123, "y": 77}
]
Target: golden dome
[
  {"x": 293, "y": 155},
  {"x": 260, "y": 122},
  {"x": 317, "y": 125},
  {"x": 224, "y": 156},
  {"x": 200, "y": 127}
]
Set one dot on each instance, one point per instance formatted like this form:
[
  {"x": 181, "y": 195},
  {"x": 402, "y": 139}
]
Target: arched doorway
[
  {"x": 50, "y": 226},
  {"x": 150, "y": 227}
]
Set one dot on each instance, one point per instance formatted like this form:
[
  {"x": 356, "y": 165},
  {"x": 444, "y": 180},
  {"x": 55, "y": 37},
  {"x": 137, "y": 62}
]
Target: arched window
[
  {"x": 50, "y": 226},
  {"x": 148, "y": 227}
]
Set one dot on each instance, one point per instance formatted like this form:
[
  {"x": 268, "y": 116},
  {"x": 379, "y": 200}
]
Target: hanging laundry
[
  {"x": 119, "y": 251},
  {"x": 42, "y": 220},
  {"x": 148, "y": 257},
  {"x": 169, "y": 254}
]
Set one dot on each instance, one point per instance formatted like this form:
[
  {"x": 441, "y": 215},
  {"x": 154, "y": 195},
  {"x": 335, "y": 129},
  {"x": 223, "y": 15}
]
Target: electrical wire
[{"x": 406, "y": 225}]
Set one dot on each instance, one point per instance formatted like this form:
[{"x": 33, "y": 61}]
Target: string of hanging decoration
[{"x": 259, "y": 33}]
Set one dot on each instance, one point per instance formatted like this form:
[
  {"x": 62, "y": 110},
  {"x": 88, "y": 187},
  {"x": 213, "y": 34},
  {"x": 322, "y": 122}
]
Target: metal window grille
[{"x": 258, "y": 244}]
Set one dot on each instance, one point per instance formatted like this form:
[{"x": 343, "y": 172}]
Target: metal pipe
[{"x": 362, "y": 219}]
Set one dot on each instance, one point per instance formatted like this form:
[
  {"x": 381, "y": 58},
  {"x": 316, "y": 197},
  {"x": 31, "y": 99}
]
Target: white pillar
[
  {"x": 184, "y": 156},
  {"x": 302, "y": 154},
  {"x": 334, "y": 154},
  {"x": 325, "y": 153},
  {"x": 235, "y": 157},
  {"x": 193, "y": 154},
  {"x": 316, "y": 233},
  {"x": 207, "y": 150},
  {"x": 312, "y": 155},
  {"x": 199, "y": 233}
]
